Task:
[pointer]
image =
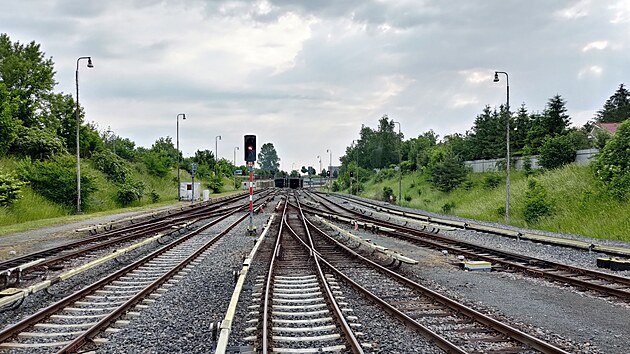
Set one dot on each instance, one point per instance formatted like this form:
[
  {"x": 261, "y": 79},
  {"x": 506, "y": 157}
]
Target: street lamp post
[
  {"x": 89, "y": 65},
  {"x": 216, "y": 152},
  {"x": 329, "y": 168},
  {"x": 349, "y": 172},
  {"x": 235, "y": 148},
  {"x": 179, "y": 182},
  {"x": 320, "y": 168},
  {"x": 507, "y": 132},
  {"x": 399, "y": 168}
]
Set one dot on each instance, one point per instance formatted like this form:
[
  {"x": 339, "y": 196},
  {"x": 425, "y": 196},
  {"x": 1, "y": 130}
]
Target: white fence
[{"x": 582, "y": 157}]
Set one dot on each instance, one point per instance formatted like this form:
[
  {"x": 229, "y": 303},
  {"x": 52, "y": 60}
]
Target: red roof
[{"x": 609, "y": 127}]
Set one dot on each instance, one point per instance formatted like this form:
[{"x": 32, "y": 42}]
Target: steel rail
[
  {"x": 355, "y": 346},
  {"x": 526, "y": 264},
  {"x": 497, "y": 230},
  {"x": 101, "y": 325},
  {"x": 44, "y": 313},
  {"x": 19, "y": 267},
  {"x": 454, "y": 305},
  {"x": 267, "y": 300},
  {"x": 16, "y": 262}
]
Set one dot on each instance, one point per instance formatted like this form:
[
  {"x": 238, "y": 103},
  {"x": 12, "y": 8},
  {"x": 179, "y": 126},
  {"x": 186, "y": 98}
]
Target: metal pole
[
  {"x": 192, "y": 197},
  {"x": 89, "y": 65},
  {"x": 349, "y": 173},
  {"x": 216, "y": 153},
  {"x": 507, "y": 134},
  {"x": 179, "y": 182},
  {"x": 234, "y": 173},
  {"x": 251, "y": 199},
  {"x": 399, "y": 168},
  {"x": 78, "y": 152},
  {"x": 329, "y": 168}
]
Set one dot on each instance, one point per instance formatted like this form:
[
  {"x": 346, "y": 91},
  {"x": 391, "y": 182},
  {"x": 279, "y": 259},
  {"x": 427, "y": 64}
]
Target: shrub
[
  {"x": 537, "y": 202},
  {"x": 388, "y": 195},
  {"x": 448, "y": 207},
  {"x": 527, "y": 165},
  {"x": 447, "y": 171},
  {"x": 10, "y": 189},
  {"x": 130, "y": 192},
  {"x": 56, "y": 180},
  {"x": 613, "y": 163},
  {"x": 386, "y": 173},
  {"x": 155, "y": 197},
  {"x": 491, "y": 181},
  {"x": 37, "y": 143},
  {"x": 335, "y": 186},
  {"x": 215, "y": 184},
  {"x": 158, "y": 164},
  {"x": 558, "y": 151},
  {"x": 111, "y": 165},
  {"x": 407, "y": 197},
  {"x": 469, "y": 185}
]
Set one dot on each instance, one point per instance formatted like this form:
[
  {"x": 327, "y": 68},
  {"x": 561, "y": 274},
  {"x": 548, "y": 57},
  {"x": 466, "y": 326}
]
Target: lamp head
[
  {"x": 219, "y": 137},
  {"x": 90, "y": 65},
  {"x": 496, "y": 76}
]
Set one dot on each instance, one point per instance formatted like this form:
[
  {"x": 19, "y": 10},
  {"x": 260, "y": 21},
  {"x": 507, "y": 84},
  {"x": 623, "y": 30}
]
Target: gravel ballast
[{"x": 592, "y": 324}]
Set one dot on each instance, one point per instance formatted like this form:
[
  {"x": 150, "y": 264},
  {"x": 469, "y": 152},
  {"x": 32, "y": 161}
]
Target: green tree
[
  {"x": 617, "y": 107},
  {"x": 557, "y": 151},
  {"x": 446, "y": 171},
  {"x": 165, "y": 148},
  {"x": 268, "y": 159},
  {"x": 28, "y": 76},
  {"x": 37, "y": 143},
  {"x": 520, "y": 126},
  {"x": 8, "y": 124},
  {"x": 416, "y": 151},
  {"x": 613, "y": 163},
  {"x": 488, "y": 135},
  {"x": 112, "y": 165}
]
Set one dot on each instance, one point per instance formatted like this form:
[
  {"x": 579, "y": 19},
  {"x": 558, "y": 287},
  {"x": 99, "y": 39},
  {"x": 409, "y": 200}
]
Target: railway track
[
  {"x": 452, "y": 326},
  {"x": 607, "y": 285},
  {"x": 88, "y": 314},
  {"x": 495, "y": 230},
  {"x": 40, "y": 264},
  {"x": 301, "y": 308}
]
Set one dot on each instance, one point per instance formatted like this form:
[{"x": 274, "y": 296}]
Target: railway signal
[
  {"x": 250, "y": 158},
  {"x": 250, "y": 148}
]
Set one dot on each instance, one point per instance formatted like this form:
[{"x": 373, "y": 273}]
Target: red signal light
[{"x": 250, "y": 148}]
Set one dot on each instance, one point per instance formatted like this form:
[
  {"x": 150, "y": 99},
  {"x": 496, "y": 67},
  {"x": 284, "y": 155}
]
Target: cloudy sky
[{"x": 305, "y": 75}]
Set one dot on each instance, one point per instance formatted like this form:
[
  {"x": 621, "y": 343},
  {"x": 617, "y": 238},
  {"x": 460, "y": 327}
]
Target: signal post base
[{"x": 251, "y": 230}]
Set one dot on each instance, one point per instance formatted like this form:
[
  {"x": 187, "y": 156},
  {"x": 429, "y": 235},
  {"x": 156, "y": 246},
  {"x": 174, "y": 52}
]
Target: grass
[
  {"x": 581, "y": 205},
  {"x": 33, "y": 211}
]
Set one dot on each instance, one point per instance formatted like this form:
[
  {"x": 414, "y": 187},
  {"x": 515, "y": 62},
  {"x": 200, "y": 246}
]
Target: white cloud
[
  {"x": 598, "y": 45},
  {"x": 591, "y": 71},
  {"x": 621, "y": 12},
  {"x": 477, "y": 76},
  {"x": 459, "y": 101},
  {"x": 575, "y": 11}
]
